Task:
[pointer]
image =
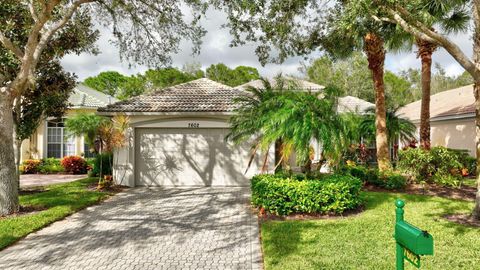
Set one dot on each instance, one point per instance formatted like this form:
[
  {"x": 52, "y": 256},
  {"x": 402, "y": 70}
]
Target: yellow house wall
[
  {"x": 456, "y": 134},
  {"x": 35, "y": 147}
]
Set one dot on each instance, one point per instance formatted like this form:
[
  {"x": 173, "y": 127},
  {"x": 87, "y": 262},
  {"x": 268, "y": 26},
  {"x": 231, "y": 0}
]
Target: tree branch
[
  {"x": 55, "y": 27},
  {"x": 8, "y": 44},
  {"x": 421, "y": 31},
  {"x": 31, "y": 6}
]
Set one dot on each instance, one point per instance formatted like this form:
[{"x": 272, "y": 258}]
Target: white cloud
[{"x": 216, "y": 49}]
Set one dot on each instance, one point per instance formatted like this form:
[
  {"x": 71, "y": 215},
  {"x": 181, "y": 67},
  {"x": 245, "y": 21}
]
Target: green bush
[
  {"x": 106, "y": 160},
  {"x": 447, "y": 180},
  {"x": 392, "y": 180},
  {"x": 388, "y": 180},
  {"x": 283, "y": 196},
  {"x": 50, "y": 165},
  {"x": 439, "y": 165}
]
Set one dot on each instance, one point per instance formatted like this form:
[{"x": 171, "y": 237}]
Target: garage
[
  {"x": 176, "y": 137},
  {"x": 189, "y": 157}
]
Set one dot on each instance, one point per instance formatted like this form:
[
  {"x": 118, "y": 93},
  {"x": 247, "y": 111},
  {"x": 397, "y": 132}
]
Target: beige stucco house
[
  {"x": 176, "y": 137},
  {"x": 51, "y": 138},
  {"x": 452, "y": 118}
]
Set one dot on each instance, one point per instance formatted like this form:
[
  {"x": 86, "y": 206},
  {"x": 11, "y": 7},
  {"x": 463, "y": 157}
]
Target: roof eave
[{"x": 192, "y": 113}]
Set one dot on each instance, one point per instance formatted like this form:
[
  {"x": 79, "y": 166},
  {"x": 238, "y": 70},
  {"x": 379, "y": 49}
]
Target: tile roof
[
  {"x": 455, "y": 102},
  {"x": 86, "y": 97},
  {"x": 202, "y": 95},
  {"x": 353, "y": 104},
  {"x": 302, "y": 84}
]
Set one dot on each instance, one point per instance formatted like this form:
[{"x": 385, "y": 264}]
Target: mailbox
[{"x": 417, "y": 241}]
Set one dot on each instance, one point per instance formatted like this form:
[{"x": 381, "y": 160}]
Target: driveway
[
  {"x": 30, "y": 180},
  {"x": 156, "y": 228}
]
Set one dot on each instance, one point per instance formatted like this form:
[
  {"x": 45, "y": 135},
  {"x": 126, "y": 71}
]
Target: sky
[{"x": 216, "y": 49}]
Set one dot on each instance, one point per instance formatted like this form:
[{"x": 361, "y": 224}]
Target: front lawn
[
  {"x": 365, "y": 241},
  {"x": 59, "y": 200}
]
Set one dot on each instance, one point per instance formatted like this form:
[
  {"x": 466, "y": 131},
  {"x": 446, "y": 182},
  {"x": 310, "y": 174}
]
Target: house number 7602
[{"x": 193, "y": 125}]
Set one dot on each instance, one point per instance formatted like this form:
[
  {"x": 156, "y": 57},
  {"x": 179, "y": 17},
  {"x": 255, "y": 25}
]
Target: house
[
  {"x": 452, "y": 118},
  {"x": 176, "y": 137},
  {"x": 51, "y": 138}
]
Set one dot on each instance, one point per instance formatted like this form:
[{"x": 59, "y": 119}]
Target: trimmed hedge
[
  {"x": 282, "y": 196},
  {"x": 106, "y": 160}
]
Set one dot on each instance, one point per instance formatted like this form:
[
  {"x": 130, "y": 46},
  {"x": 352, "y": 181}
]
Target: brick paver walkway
[
  {"x": 30, "y": 180},
  {"x": 173, "y": 228}
]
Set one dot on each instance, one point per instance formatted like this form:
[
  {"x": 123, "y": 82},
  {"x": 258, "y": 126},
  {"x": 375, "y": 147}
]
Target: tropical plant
[
  {"x": 398, "y": 128},
  {"x": 283, "y": 112},
  {"x": 86, "y": 125}
]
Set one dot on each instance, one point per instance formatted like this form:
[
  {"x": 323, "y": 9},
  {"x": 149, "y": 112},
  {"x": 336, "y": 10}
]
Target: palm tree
[
  {"x": 398, "y": 128},
  {"x": 451, "y": 17},
  {"x": 287, "y": 118},
  {"x": 374, "y": 48}
]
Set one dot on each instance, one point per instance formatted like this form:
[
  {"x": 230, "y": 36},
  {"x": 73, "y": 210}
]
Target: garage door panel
[{"x": 190, "y": 157}]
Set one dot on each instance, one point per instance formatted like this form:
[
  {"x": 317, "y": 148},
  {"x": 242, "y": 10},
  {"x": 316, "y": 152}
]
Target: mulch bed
[
  {"x": 463, "y": 219},
  {"x": 26, "y": 210},
  {"x": 466, "y": 193},
  {"x": 263, "y": 216},
  {"x": 114, "y": 188}
]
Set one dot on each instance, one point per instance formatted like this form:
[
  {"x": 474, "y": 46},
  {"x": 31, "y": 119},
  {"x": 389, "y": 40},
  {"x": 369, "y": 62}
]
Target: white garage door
[{"x": 190, "y": 157}]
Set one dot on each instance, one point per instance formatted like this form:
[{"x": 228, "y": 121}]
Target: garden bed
[{"x": 465, "y": 192}]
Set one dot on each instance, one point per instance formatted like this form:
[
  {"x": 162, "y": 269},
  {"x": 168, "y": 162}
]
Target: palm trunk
[
  {"x": 425, "y": 51},
  {"x": 376, "y": 59},
  {"x": 8, "y": 174},
  {"x": 278, "y": 155},
  {"x": 476, "y": 91}
]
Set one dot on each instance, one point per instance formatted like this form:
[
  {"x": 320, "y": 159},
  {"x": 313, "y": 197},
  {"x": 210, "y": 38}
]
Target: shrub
[
  {"x": 283, "y": 196},
  {"x": 447, "y": 180},
  {"x": 50, "y": 165},
  {"x": 31, "y": 166},
  {"x": 388, "y": 180},
  {"x": 74, "y": 164},
  {"x": 106, "y": 160},
  {"x": 440, "y": 165},
  {"x": 416, "y": 162},
  {"x": 392, "y": 180}
]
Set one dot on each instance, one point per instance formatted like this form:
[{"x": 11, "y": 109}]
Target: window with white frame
[{"x": 59, "y": 141}]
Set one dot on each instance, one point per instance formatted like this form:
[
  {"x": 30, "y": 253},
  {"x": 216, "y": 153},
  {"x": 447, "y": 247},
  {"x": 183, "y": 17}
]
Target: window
[
  {"x": 59, "y": 142},
  {"x": 86, "y": 152}
]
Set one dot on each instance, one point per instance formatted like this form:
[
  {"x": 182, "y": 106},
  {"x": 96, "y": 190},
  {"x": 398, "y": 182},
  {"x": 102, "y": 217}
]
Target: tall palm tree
[
  {"x": 450, "y": 17},
  {"x": 375, "y": 51}
]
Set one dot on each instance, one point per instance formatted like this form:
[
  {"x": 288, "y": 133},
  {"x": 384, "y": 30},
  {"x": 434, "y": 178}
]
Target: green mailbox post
[{"x": 411, "y": 242}]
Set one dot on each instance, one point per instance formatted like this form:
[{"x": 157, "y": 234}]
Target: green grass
[
  {"x": 61, "y": 201},
  {"x": 366, "y": 241}
]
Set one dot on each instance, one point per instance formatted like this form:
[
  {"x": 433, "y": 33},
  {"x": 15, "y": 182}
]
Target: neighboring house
[
  {"x": 452, "y": 118},
  {"x": 51, "y": 138},
  {"x": 176, "y": 137}
]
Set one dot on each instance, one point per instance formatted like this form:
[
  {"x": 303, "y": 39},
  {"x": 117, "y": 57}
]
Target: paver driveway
[{"x": 160, "y": 228}]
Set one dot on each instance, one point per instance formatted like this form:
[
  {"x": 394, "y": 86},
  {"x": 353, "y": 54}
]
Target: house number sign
[{"x": 193, "y": 125}]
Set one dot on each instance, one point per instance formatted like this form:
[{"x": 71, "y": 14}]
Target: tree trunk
[
  {"x": 8, "y": 174},
  {"x": 278, "y": 155},
  {"x": 476, "y": 91},
  {"x": 376, "y": 59},
  {"x": 425, "y": 51}
]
